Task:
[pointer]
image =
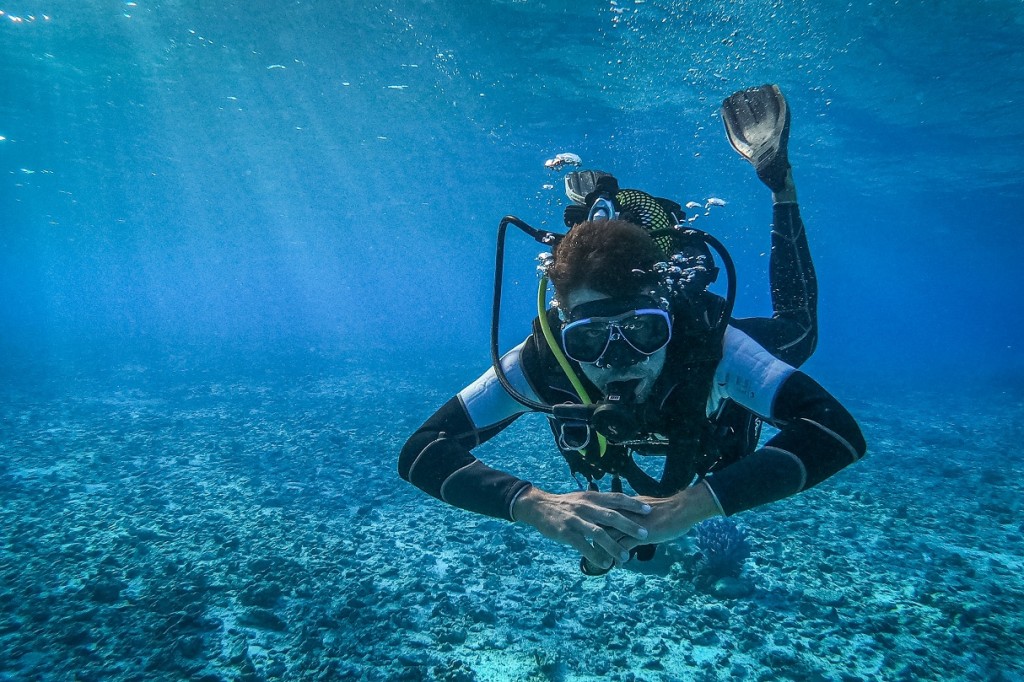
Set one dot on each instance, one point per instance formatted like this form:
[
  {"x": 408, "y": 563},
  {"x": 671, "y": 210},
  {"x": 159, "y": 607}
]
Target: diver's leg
[
  {"x": 794, "y": 285},
  {"x": 757, "y": 123},
  {"x": 791, "y": 333}
]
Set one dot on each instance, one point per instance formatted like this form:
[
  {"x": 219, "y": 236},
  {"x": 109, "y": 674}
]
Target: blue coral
[{"x": 723, "y": 549}]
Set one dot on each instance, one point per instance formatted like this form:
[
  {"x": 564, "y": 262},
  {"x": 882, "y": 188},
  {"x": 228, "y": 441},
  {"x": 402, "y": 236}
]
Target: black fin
[{"x": 757, "y": 123}]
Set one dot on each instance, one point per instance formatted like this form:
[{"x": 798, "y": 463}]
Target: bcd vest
[{"x": 674, "y": 416}]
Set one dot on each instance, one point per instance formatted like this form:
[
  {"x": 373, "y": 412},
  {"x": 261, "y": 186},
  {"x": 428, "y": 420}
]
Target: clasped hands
[{"x": 604, "y": 527}]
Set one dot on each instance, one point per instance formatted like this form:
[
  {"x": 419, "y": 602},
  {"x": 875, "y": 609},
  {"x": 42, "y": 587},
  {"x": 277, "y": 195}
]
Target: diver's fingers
[
  {"x": 623, "y": 502},
  {"x": 614, "y": 511},
  {"x": 594, "y": 552},
  {"x": 613, "y": 520},
  {"x": 604, "y": 540}
]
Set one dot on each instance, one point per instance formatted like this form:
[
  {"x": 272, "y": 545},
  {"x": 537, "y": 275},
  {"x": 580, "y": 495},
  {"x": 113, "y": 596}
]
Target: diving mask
[{"x": 592, "y": 336}]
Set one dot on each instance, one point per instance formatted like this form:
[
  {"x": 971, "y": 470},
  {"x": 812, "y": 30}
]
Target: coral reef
[{"x": 724, "y": 549}]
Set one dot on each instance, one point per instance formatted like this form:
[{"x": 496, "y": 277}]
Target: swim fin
[
  {"x": 578, "y": 184},
  {"x": 757, "y": 123}
]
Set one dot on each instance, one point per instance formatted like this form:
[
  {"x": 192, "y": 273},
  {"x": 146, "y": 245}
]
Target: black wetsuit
[{"x": 704, "y": 412}]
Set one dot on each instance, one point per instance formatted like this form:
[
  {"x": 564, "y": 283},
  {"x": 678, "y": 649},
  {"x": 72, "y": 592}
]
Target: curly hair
[{"x": 602, "y": 255}]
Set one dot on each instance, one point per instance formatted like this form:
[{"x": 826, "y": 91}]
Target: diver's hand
[
  {"x": 673, "y": 516},
  {"x": 586, "y": 521}
]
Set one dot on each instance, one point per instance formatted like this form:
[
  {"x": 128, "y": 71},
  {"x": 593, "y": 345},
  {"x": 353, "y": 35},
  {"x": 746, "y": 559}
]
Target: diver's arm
[
  {"x": 437, "y": 458},
  {"x": 817, "y": 436}
]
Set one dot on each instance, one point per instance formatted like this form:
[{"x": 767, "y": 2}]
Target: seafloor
[{"x": 191, "y": 520}]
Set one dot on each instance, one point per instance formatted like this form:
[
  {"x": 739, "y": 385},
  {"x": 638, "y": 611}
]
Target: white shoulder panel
[
  {"x": 748, "y": 374},
  {"x": 486, "y": 400}
]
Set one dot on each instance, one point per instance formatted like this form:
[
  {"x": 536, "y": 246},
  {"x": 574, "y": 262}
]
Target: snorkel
[{"x": 680, "y": 275}]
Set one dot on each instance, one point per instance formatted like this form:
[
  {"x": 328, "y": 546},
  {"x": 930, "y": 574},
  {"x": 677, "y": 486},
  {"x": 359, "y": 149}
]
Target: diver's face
[{"x": 619, "y": 361}]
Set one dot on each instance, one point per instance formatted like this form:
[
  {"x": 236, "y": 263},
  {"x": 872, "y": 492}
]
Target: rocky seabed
[{"x": 246, "y": 526}]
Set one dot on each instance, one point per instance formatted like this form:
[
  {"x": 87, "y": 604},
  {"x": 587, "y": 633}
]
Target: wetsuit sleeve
[
  {"x": 438, "y": 460},
  {"x": 817, "y": 436}
]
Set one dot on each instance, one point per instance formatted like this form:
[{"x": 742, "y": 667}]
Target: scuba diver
[{"x": 636, "y": 357}]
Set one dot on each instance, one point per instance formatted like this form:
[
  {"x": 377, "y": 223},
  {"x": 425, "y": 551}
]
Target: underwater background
[{"x": 247, "y": 248}]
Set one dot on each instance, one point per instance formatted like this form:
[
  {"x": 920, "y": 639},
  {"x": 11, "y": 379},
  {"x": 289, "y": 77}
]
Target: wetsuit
[{"x": 704, "y": 411}]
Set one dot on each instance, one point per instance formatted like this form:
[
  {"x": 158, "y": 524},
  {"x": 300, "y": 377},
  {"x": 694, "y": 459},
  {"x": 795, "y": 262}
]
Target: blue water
[
  {"x": 303, "y": 187},
  {"x": 166, "y": 180}
]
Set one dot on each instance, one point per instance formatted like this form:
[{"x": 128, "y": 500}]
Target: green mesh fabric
[{"x": 649, "y": 214}]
